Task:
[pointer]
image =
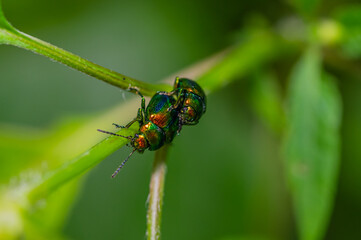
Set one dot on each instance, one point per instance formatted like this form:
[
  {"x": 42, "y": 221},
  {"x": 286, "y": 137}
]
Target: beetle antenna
[
  {"x": 121, "y": 165},
  {"x": 114, "y": 134}
]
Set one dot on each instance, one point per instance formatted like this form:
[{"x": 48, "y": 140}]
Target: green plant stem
[
  {"x": 16, "y": 38},
  {"x": 156, "y": 191},
  {"x": 78, "y": 166}
]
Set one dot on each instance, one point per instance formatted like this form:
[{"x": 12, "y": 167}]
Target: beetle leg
[
  {"x": 176, "y": 82},
  {"x": 194, "y": 123},
  {"x": 129, "y": 124},
  {"x": 118, "y": 126},
  {"x": 139, "y": 118},
  {"x": 141, "y": 111},
  {"x": 180, "y": 124},
  {"x": 171, "y": 93},
  {"x": 179, "y": 101},
  {"x": 136, "y": 90},
  {"x": 140, "y": 114}
]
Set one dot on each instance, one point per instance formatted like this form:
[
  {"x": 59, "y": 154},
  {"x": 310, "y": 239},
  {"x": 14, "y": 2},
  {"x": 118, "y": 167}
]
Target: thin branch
[{"x": 156, "y": 191}]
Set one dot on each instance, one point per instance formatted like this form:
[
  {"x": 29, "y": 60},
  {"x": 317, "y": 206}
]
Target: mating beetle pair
[{"x": 164, "y": 116}]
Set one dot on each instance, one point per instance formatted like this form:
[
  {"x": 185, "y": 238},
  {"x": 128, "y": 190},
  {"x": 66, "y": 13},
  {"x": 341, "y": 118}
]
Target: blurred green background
[{"x": 225, "y": 176}]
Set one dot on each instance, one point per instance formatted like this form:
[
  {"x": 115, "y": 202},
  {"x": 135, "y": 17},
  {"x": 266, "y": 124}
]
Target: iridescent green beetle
[
  {"x": 191, "y": 101},
  {"x": 157, "y": 125},
  {"x": 157, "y": 112},
  {"x": 164, "y": 116}
]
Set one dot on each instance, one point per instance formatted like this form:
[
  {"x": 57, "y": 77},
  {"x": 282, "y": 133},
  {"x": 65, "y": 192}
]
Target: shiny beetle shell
[
  {"x": 158, "y": 113},
  {"x": 192, "y": 100}
]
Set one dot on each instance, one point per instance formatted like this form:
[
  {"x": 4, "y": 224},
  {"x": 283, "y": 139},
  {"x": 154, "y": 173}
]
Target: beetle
[
  {"x": 164, "y": 116},
  {"x": 191, "y": 101},
  {"x": 157, "y": 124}
]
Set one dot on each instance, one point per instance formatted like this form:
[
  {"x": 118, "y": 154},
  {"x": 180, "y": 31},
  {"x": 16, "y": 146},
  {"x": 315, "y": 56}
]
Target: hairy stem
[{"x": 156, "y": 190}]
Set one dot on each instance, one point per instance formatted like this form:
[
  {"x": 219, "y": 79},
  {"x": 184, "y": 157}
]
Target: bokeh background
[{"x": 225, "y": 176}]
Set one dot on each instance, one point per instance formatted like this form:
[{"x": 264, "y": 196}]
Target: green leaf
[
  {"x": 266, "y": 100},
  {"x": 305, "y": 7},
  {"x": 350, "y": 20},
  {"x": 312, "y": 145}
]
